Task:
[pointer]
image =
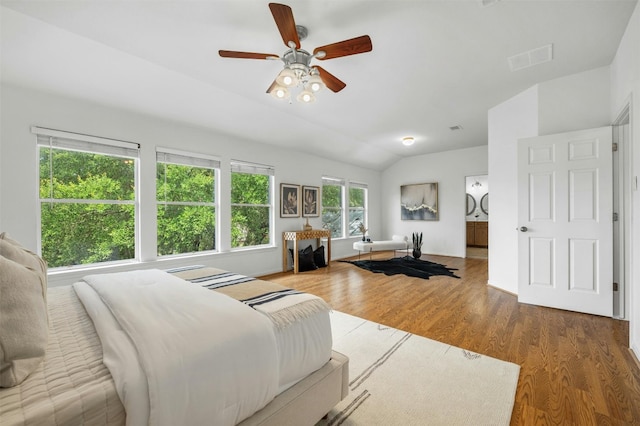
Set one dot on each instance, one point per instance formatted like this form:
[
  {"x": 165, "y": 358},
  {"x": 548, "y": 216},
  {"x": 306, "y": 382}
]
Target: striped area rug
[{"x": 397, "y": 378}]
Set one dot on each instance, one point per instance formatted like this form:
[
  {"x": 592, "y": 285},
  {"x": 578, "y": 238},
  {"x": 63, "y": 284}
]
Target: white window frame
[
  {"x": 79, "y": 142},
  {"x": 239, "y": 166},
  {"x": 326, "y": 180},
  {"x": 184, "y": 158},
  {"x": 365, "y": 209}
]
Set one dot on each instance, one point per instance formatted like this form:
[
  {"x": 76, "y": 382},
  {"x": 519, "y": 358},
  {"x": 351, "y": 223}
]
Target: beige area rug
[{"x": 398, "y": 378}]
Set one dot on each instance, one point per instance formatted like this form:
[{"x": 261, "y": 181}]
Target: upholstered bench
[{"x": 397, "y": 242}]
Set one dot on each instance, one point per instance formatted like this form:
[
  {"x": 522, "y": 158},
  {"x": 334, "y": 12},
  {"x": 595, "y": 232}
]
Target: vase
[
  {"x": 416, "y": 253},
  {"x": 363, "y": 238},
  {"x": 307, "y": 226}
]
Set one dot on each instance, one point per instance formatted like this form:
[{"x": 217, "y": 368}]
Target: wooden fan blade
[
  {"x": 283, "y": 16},
  {"x": 331, "y": 81},
  {"x": 272, "y": 86},
  {"x": 352, "y": 46},
  {"x": 246, "y": 55}
]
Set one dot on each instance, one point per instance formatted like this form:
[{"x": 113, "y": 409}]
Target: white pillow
[{"x": 23, "y": 312}]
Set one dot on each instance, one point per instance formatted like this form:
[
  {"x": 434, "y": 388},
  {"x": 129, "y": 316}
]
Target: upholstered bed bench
[{"x": 397, "y": 242}]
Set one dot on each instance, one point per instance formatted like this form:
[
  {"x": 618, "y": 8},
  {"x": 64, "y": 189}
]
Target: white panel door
[{"x": 565, "y": 208}]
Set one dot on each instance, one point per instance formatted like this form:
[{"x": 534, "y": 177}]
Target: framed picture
[
  {"x": 419, "y": 201},
  {"x": 310, "y": 201},
  {"x": 289, "y": 200}
]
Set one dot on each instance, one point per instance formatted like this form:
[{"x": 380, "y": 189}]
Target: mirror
[
  {"x": 471, "y": 204},
  {"x": 476, "y": 207},
  {"x": 484, "y": 204}
]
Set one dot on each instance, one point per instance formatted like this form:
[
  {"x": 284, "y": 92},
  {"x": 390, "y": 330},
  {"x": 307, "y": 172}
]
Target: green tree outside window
[
  {"x": 332, "y": 216},
  {"x": 186, "y": 208},
  {"x": 357, "y": 209},
  {"x": 250, "y": 209},
  {"x": 87, "y": 207}
]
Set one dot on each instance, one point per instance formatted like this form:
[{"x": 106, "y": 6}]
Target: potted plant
[
  {"x": 362, "y": 229},
  {"x": 417, "y": 245}
]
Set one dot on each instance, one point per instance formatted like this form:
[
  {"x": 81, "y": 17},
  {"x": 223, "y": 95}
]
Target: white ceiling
[{"x": 434, "y": 64}]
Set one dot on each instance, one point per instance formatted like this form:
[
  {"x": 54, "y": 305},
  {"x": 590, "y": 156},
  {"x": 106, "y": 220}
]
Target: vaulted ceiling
[{"x": 435, "y": 64}]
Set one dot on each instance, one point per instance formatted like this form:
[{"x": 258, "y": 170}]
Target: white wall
[
  {"x": 577, "y": 101},
  {"x": 23, "y": 108},
  {"x": 513, "y": 119},
  {"x": 447, "y": 236},
  {"x": 625, "y": 88}
]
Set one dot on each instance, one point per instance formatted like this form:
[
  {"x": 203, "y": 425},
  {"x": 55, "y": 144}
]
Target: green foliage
[
  {"x": 81, "y": 175},
  {"x": 184, "y": 227},
  {"x": 180, "y": 183},
  {"x": 249, "y": 188},
  {"x": 249, "y": 226},
  {"x": 332, "y": 196},
  {"x": 74, "y": 234},
  {"x": 356, "y": 197},
  {"x": 79, "y": 232},
  {"x": 91, "y": 215},
  {"x": 356, "y": 209},
  {"x": 332, "y": 209},
  {"x": 332, "y": 220},
  {"x": 250, "y": 211}
]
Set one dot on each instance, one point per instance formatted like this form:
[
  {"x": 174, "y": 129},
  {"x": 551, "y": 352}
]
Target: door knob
[{"x": 523, "y": 229}]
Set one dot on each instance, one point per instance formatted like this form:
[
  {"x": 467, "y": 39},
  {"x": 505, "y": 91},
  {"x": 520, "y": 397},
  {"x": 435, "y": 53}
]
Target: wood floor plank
[{"x": 575, "y": 368}]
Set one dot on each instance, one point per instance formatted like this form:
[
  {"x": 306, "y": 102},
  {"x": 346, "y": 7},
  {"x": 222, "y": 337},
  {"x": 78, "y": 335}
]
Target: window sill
[
  {"x": 252, "y": 248},
  {"x": 68, "y": 275}
]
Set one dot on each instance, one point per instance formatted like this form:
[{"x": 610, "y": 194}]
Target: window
[
  {"x": 186, "y": 202},
  {"x": 332, "y": 206},
  {"x": 357, "y": 207},
  {"x": 251, "y": 204},
  {"x": 87, "y": 193}
]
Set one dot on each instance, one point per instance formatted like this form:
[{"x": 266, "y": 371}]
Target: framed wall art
[
  {"x": 310, "y": 201},
  {"x": 419, "y": 201},
  {"x": 289, "y": 200}
]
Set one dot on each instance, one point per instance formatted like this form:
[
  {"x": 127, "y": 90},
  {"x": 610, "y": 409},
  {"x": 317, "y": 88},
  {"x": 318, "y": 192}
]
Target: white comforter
[{"x": 179, "y": 353}]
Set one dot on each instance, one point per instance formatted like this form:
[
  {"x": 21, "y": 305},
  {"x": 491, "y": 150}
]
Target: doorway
[
  {"x": 477, "y": 216},
  {"x": 622, "y": 196}
]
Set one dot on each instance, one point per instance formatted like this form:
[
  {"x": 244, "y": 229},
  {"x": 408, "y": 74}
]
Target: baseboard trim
[
  {"x": 501, "y": 289},
  {"x": 635, "y": 354}
]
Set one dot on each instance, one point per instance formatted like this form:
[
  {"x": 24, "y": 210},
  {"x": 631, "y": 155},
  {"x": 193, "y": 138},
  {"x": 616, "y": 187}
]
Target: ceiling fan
[{"x": 298, "y": 72}]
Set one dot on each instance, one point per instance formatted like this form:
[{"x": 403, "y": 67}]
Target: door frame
[{"x": 622, "y": 206}]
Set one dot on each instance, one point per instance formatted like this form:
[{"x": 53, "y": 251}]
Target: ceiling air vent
[
  {"x": 530, "y": 58},
  {"x": 487, "y": 3}
]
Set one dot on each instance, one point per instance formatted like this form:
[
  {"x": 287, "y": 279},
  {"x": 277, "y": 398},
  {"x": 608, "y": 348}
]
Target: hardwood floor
[{"x": 575, "y": 368}]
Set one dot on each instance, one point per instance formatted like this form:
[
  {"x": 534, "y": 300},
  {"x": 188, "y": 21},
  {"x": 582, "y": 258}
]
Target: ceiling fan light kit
[
  {"x": 306, "y": 97},
  {"x": 298, "y": 71},
  {"x": 279, "y": 92},
  {"x": 287, "y": 78}
]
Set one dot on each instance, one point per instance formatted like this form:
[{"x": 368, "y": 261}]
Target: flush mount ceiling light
[
  {"x": 408, "y": 140},
  {"x": 298, "y": 73}
]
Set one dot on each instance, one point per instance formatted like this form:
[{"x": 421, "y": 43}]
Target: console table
[{"x": 295, "y": 236}]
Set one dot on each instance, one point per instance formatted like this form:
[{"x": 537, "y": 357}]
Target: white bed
[
  {"x": 304, "y": 341},
  {"x": 73, "y": 386}
]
